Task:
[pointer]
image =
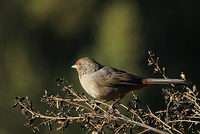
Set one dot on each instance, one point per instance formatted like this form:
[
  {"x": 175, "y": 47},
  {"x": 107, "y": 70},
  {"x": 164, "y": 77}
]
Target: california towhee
[{"x": 107, "y": 83}]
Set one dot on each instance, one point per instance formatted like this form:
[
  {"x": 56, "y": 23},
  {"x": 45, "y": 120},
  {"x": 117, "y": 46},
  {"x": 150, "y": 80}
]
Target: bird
[{"x": 108, "y": 83}]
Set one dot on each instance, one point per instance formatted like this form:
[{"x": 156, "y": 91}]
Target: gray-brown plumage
[{"x": 107, "y": 83}]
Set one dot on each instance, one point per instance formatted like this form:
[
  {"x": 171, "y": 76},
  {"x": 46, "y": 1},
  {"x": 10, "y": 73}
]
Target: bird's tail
[{"x": 165, "y": 81}]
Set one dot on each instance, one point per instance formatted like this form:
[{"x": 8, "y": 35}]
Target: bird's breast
[
  {"x": 89, "y": 85},
  {"x": 93, "y": 88}
]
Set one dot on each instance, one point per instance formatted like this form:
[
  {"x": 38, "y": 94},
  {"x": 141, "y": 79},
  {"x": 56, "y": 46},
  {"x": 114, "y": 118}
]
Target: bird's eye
[{"x": 79, "y": 64}]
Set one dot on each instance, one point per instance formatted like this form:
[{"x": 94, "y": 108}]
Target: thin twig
[{"x": 141, "y": 125}]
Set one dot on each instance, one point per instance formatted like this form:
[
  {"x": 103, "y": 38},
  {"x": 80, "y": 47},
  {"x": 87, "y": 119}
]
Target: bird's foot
[{"x": 111, "y": 109}]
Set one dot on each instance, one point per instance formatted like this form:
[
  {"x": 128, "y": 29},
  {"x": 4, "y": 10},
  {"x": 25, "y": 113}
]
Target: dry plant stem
[
  {"x": 128, "y": 120},
  {"x": 81, "y": 99},
  {"x": 170, "y": 100},
  {"x": 157, "y": 66},
  {"x": 85, "y": 102},
  {"x": 78, "y": 97},
  {"x": 158, "y": 119},
  {"x": 190, "y": 121},
  {"x": 40, "y": 115},
  {"x": 144, "y": 131},
  {"x": 71, "y": 102},
  {"x": 124, "y": 118},
  {"x": 102, "y": 125},
  {"x": 119, "y": 129},
  {"x": 132, "y": 111}
]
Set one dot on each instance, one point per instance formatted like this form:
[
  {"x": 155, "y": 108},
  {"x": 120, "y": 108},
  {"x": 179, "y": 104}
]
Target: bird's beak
[{"x": 74, "y": 66}]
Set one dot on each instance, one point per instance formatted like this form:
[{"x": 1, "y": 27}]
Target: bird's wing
[{"x": 108, "y": 76}]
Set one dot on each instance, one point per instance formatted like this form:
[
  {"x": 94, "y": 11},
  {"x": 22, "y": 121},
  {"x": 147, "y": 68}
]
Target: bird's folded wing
[{"x": 108, "y": 76}]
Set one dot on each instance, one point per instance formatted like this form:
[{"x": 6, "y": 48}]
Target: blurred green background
[{"x": 41, "y": 39}]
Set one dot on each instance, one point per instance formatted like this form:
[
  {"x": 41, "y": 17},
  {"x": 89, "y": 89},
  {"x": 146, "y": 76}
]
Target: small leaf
[
  {"x": 22, "y": 99},
  {"x": 183, "y": 76},
  {"x": 15, "y": 104},
  {"x": 31, "y": 121},
  {"x": 194, "y": 88},
  {"x": 150, "y": 62}
]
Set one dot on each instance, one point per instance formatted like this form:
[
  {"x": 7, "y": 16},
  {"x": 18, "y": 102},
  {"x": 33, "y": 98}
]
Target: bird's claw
[{"x": 111, "y": 109}]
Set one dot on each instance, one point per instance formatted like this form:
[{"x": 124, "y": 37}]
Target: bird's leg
[{"x": 112, "y": 105}]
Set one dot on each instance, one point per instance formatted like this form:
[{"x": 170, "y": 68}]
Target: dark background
[{"x": 41, "y": 39}]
